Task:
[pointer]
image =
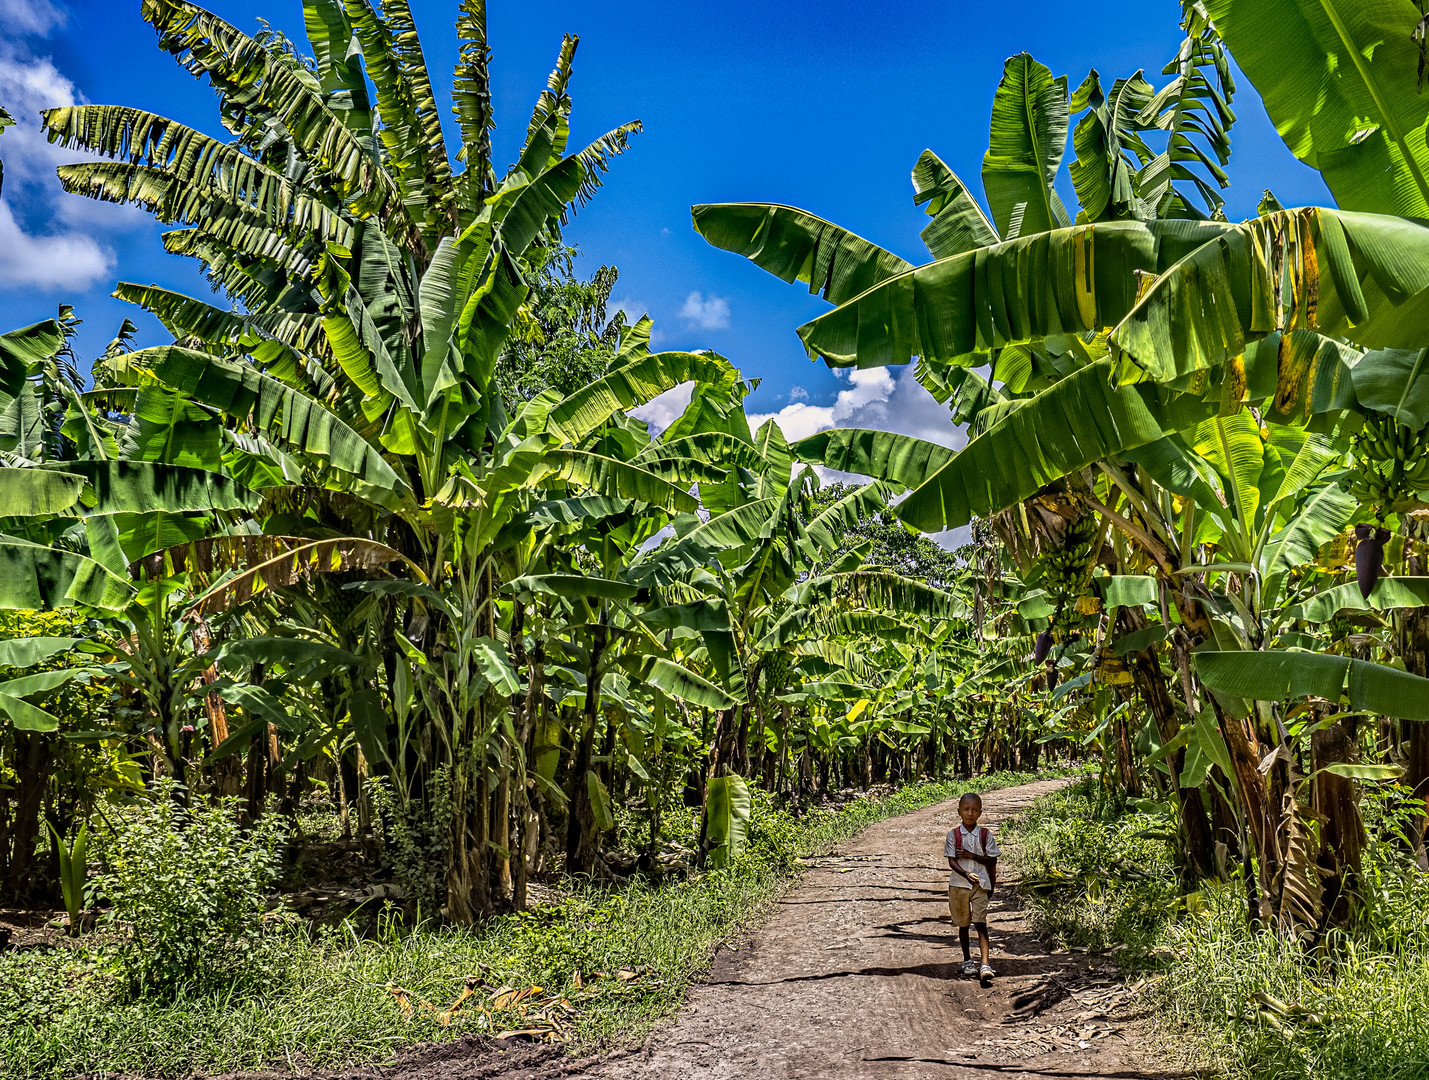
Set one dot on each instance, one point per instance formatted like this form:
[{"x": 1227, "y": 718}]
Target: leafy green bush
[
  {"x": 188, "y": 885},
  {"x": 326, "y": 1003},
  {"x": 1256, "y": 1004},
  {"x": 1096, "y": 875}
]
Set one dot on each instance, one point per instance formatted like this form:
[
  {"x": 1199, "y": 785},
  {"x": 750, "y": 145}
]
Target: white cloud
[
  {"x": 32, "y": 17},
  {"x": 874, "y": 399},
  {"x": 707, "y": 312},
  {"x": 633, "y": 308},
  {"x": 64, "y": 261},
  {"x": 49, "y": 241},
  {"x": 798, "y": 393},
  {"x": 662, "y": 411}
]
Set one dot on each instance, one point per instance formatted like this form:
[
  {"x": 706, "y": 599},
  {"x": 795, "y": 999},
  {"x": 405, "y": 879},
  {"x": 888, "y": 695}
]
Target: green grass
[
  {"x": 1252, "y": 1004},
  {"x": 1096, "y": 877},
  {"x": 320, "y": 997}
]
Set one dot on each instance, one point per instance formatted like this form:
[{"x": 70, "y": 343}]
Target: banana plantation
[{"x": 375, "y": 521}]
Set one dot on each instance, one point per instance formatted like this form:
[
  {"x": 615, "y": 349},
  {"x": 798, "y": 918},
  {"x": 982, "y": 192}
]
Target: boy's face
[{"x": 969, "y": 811}]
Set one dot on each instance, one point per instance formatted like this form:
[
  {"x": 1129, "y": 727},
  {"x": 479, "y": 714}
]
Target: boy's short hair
[{"x": 971, "y": 796}]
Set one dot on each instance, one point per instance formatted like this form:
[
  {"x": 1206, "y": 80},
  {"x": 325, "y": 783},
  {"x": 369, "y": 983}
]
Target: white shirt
[{"x": 971, "y": 843}]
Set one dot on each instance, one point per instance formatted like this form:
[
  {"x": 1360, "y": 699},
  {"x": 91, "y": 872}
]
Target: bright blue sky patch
[{"x": 822, "y": 105}]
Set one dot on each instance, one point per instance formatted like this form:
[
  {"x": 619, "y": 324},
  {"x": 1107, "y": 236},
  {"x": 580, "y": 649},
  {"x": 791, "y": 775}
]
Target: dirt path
[{"x": 855, "y": 976}]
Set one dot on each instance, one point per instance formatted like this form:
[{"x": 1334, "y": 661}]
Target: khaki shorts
[{"x": 967, "y": 905}]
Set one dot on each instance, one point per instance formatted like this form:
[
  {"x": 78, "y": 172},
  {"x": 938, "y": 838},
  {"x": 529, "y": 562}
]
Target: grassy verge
[
  {"x": 1253, "y": 1004},
  {"x": 321, "y": 998}
]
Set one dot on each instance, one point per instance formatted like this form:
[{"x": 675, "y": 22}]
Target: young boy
[{"x": 972, "y": 856}]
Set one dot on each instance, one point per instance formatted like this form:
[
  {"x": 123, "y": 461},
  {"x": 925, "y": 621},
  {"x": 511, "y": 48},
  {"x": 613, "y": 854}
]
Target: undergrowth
[
  {"x": 1254, "y": 1004},
  {"x": 320, "y": 996}
]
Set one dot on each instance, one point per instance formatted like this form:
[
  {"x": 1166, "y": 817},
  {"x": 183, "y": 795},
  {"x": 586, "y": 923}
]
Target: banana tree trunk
[
  {"x": 582, "y": 854},
  {"x": 1257, "y": 811},
  {"x": 1342, "y": 835},
  {"x": 1194, "y": 827},
  {"x": 32, "y": 760},
  {"x": 1413, "y": 634}
]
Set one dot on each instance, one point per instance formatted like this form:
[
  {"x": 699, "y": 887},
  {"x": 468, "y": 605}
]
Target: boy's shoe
[
  {"x": 969, "y": 967},
  {"x": 986, "y": 972}
]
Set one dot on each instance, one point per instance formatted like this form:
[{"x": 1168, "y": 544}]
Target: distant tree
[
  {"x": 893, "y": 545},
  {"x": 561, "y": 339}
]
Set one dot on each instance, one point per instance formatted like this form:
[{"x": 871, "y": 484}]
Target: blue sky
[{"x": 823, "y": 105}]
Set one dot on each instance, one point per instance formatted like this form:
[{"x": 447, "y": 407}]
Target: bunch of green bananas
[
  {"x": 1065, "y": 570},
  {"x": 1392, "y": 462}
]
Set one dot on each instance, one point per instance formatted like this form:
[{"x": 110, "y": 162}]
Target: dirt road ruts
[{"x": 856, "y": 975}]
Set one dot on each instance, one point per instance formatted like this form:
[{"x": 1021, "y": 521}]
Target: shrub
[
  {"x": 188, "y": 885},
  {"x": 1096, "y": 875}
]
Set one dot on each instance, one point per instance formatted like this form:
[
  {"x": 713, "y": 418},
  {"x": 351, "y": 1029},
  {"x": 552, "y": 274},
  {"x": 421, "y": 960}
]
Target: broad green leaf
[
  {"x": 727, "y": 810},
  {"x": 27, "y": 717},
  {"x": 141, "y": 487},
  {"x": 21, "y": 352},
  {"x": 954, "y": 310},
  {"x": 263, "y": 705},
  {"x": 601, "y": 807},
  {"x": 1361, "y": 276},
  {"x": 1025, "y": 144},
  {"x": 1338, "y": 78},
  {"x": 958, "y": 223},
  {"x": 281, "y": 412},
  {"x": 625, "y": 388},
  {"x": 1389, "y": 594},
  {"x": 369, "y": 724},
  {"x": 38, "y": 578},
  {"x": 1065, "y": 428},
  {"x": 679, "y": 682},
  {"x": 42, "y": 682},
  {"x": 492, "y": 660},
  {"x": 26, "y": 652},
  {"x": 31, "y": 492},
  {"x": 1282, "y": 674},
  {"x": 884, "y": 455},
  {"x": 795, "y": 245},
  {"x": 1394, "y": 381},
  {"x": 288, "y": 652},
  {"x": 1371, "y": 773},
  {"x": 572, "y": 586},
  {"x": 1319, "y": 518}
]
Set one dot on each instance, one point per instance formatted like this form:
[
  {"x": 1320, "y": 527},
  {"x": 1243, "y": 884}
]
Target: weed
[
  {"x": 325, "y": 1000},
  {"x": 1254, "y": 1003}
]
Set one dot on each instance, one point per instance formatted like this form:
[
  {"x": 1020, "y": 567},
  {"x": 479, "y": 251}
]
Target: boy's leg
[
  {"x": 977, "y": 909},
  {"x": 959, "y": 906},
  {"x": 984, "y": 942}
]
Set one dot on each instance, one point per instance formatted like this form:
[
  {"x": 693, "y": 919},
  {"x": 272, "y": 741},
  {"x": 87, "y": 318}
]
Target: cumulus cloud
[
  {"x": 49, "y": 263},
  {"x": 660, "y": 412},
  {"x": 707, "y": 312},
  {"x": 47, "y": 238},
  {"x": 874, "y": 398},
  {"x": 798, "y": 393},
  {"x": 32, "y": 17}
]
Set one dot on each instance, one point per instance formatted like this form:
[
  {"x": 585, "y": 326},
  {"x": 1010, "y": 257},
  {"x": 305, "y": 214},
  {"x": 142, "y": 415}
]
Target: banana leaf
[
  {"x": 727, "y": 809},
  {"x": 1339, "y": 80},
  {"x": 795, "y": 245},
  {"x": 1284, "y": 674},
  {"x": 1065, "y": 428},
  {"x": 954, "y": 310}
]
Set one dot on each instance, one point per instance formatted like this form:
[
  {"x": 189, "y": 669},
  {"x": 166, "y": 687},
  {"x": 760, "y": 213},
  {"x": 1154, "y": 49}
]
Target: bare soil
[{"x": 856, "y": 975}]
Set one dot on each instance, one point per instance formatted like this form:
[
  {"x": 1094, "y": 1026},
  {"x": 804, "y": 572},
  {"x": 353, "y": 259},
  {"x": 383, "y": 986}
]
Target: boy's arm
[
  {"x": 953, "y": 865},
  {"x": 991, "y": 865}
]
